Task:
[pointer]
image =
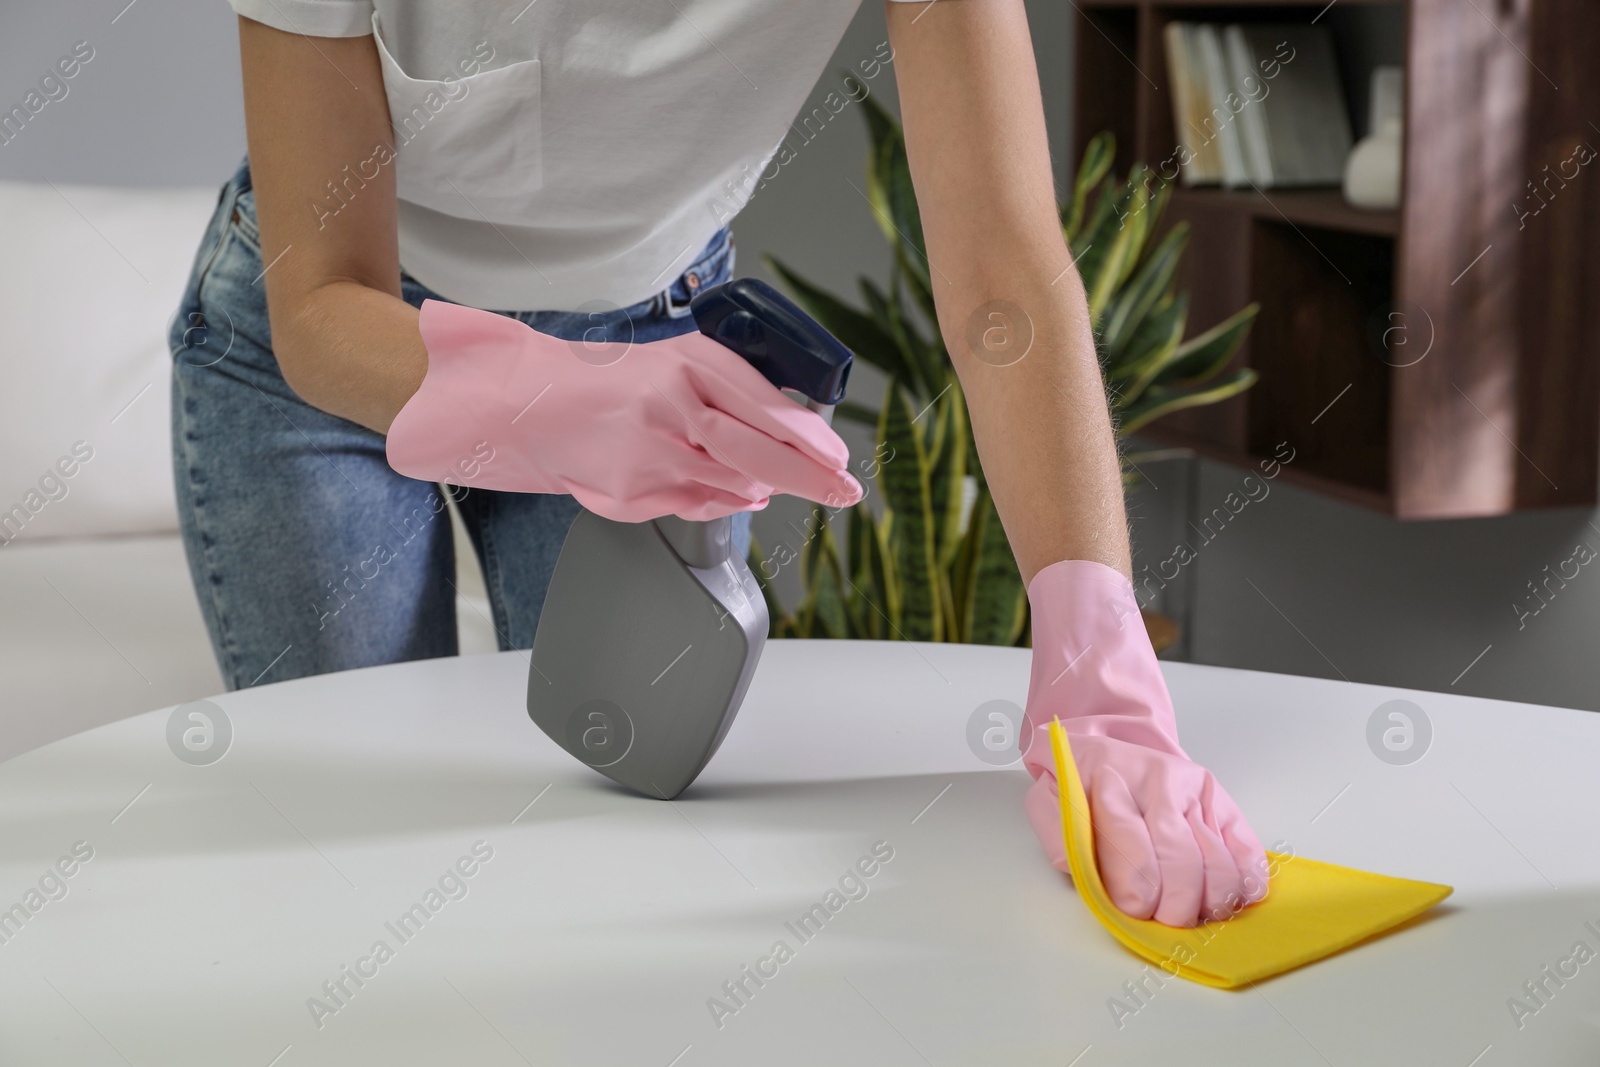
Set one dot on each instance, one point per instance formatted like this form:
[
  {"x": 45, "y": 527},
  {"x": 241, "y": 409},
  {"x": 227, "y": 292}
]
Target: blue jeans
[{"x": 308, "y": 552}]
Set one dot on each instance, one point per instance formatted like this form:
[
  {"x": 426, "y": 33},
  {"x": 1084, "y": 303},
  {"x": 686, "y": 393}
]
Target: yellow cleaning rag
[{"x": 1312, "y": 909}]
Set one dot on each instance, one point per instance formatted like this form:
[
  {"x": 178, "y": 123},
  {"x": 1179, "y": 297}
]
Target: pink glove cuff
[
  {"x": 1093, "y": 664},
  {"x": 478, "y": 363}
]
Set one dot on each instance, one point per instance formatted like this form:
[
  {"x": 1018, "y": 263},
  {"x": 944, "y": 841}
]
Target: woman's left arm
[
  {"x": 980, "y": 163},
  {"x": 1169, "y": 841}
]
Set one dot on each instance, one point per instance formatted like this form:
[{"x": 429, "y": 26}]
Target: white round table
[{"x": 531, "y": 912}]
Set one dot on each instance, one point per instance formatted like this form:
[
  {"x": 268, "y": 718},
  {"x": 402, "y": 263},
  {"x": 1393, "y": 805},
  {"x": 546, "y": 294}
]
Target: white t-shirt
[{"x": 577, "y": 153}]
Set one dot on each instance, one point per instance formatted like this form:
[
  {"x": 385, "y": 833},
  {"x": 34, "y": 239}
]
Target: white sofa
[{"x": 98, "y": 619}]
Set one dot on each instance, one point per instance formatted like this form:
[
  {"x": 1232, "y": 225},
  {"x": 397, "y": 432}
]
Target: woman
[{"x": 461, "y": 251}]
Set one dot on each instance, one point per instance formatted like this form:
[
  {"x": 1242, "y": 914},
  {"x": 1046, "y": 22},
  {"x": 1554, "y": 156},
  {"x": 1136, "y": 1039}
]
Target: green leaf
[
  {"x": 949, "y": 624},
  {"x": 860, "y": 603},
  {"x": 882, "y": 127},
  {"x": 1140, "y": 219},
  {"x": 1203, "y": 357},
  {"x": 884, "y": 599},
  {"x": 856, "y": 411},
  {"x": 997, "y": 599},
  {"x": 858, "y": 332},
  {"x": 930, "y": 363},
  {"x": 922, "y": 294},
  {"x": 1087, "y": 248},
  {"x": 1098, "y": 155},
  {"x": 906, "y": 490},
  {"x": 962, "y": 584},
  {"x": 1162, "y": 400},
  {"x": 948, "y": 478},
  {"x": 1152, "y": 346},
  {"x": 1124, "y": 232},
  {"x": 1158, "y": 204},
  {"x": 826, "y": 595},
  {"x": 1127, "y": 310},
  {"x": 908, "y": 367},
  {"x": 885, "y": 580},
  {"x": 894, "y": 199}
]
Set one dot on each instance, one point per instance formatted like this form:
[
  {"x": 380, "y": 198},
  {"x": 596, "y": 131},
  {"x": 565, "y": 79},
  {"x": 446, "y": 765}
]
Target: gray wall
[
  {"x": 1302, "y": 584},
  {"x": 159, "y": 104},
  {"x": 1295, "y": 583}
]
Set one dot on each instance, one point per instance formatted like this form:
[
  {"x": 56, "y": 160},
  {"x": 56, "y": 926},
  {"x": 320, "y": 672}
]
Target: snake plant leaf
[
  {"x": 1140, "y": 219},
  {"x": 1127, "y": 310},
  {"x": 907, "y": 217},
  {"x": 911, "y": 372},
  {"x": 829, "y": 615},
  {"x": 1098, "y": 155},
  {"x": 932, "y": 430},
  {"x": 1202, "y": 358},
  {"x": 949, "y": 476},
  {"x": 816, "y": 522},
  {"x": 858, "y": 614},
  {"x": 860, "y": 333},
  {"x": 805, "y": 617},
  {"x": 1108, "y": 245},
  {"x": 889, "y": 188},
  {"x": 1158, "y": 203},
  {"x": 922, "y": 292},
  {"x": 881, "y": 126},
  {"x": 996, "y": 599},
  {"x": 884, "y": 134},
  {"x": 950, "y": 624},
  {"x": 1123, "y": 239},
  {"x": 1161, "y": 400},
  {"x": 930, "y": 359},
  {"x": 962, "y": 584},
  {"x": 858, "y": 537},
  {"x": 906, "y": 491},
  {"x": 856, "y": 411},
  {"x": 1153, "y": 344},
  {"x": 884, "y": 577},
  {"x": 860, "y": 601},
  {"x": 1092, "y": 243}
]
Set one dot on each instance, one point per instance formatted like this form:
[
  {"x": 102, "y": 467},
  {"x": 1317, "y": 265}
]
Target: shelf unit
[{"x": 1501, "y": 412}]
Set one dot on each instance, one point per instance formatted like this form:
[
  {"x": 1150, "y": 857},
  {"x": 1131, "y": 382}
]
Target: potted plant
[{"x": 933, "y": 563}]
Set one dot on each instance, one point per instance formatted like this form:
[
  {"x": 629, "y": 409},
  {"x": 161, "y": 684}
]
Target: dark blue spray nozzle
[{"x": 789, "y": 347}]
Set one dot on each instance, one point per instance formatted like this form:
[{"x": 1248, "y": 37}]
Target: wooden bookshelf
[{"x": 1503, "y": 412}]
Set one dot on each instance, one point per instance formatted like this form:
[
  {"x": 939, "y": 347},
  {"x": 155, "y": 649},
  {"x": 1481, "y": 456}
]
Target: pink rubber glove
[
  {"x": 681, "y": 426},
  {"x": 1169, "y": 842}
]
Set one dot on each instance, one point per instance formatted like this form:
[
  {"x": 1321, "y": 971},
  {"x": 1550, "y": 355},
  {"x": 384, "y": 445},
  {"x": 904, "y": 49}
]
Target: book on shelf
[
  {"x": 1257, "y": 105},
  {"x": 1252, "y": 120},
  {"x": 1199, "y": 161}
]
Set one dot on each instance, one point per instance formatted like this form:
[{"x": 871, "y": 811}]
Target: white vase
[{"x": 1372, "y": 173}]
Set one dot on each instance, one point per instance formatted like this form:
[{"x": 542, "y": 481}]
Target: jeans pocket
[
  {"x": 225, "y": 302},
  {"x": 188, "y": 328}
]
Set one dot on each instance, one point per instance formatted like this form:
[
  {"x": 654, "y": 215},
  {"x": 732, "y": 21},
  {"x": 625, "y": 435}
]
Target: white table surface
[{"x": 220, "y": 898}]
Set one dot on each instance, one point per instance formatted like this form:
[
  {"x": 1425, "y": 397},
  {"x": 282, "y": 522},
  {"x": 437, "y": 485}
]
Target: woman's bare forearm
[
  {"x": 344, "y": 339},
  {"x": 980, "y": 163},
  {"x": 357, "y": 352}
]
